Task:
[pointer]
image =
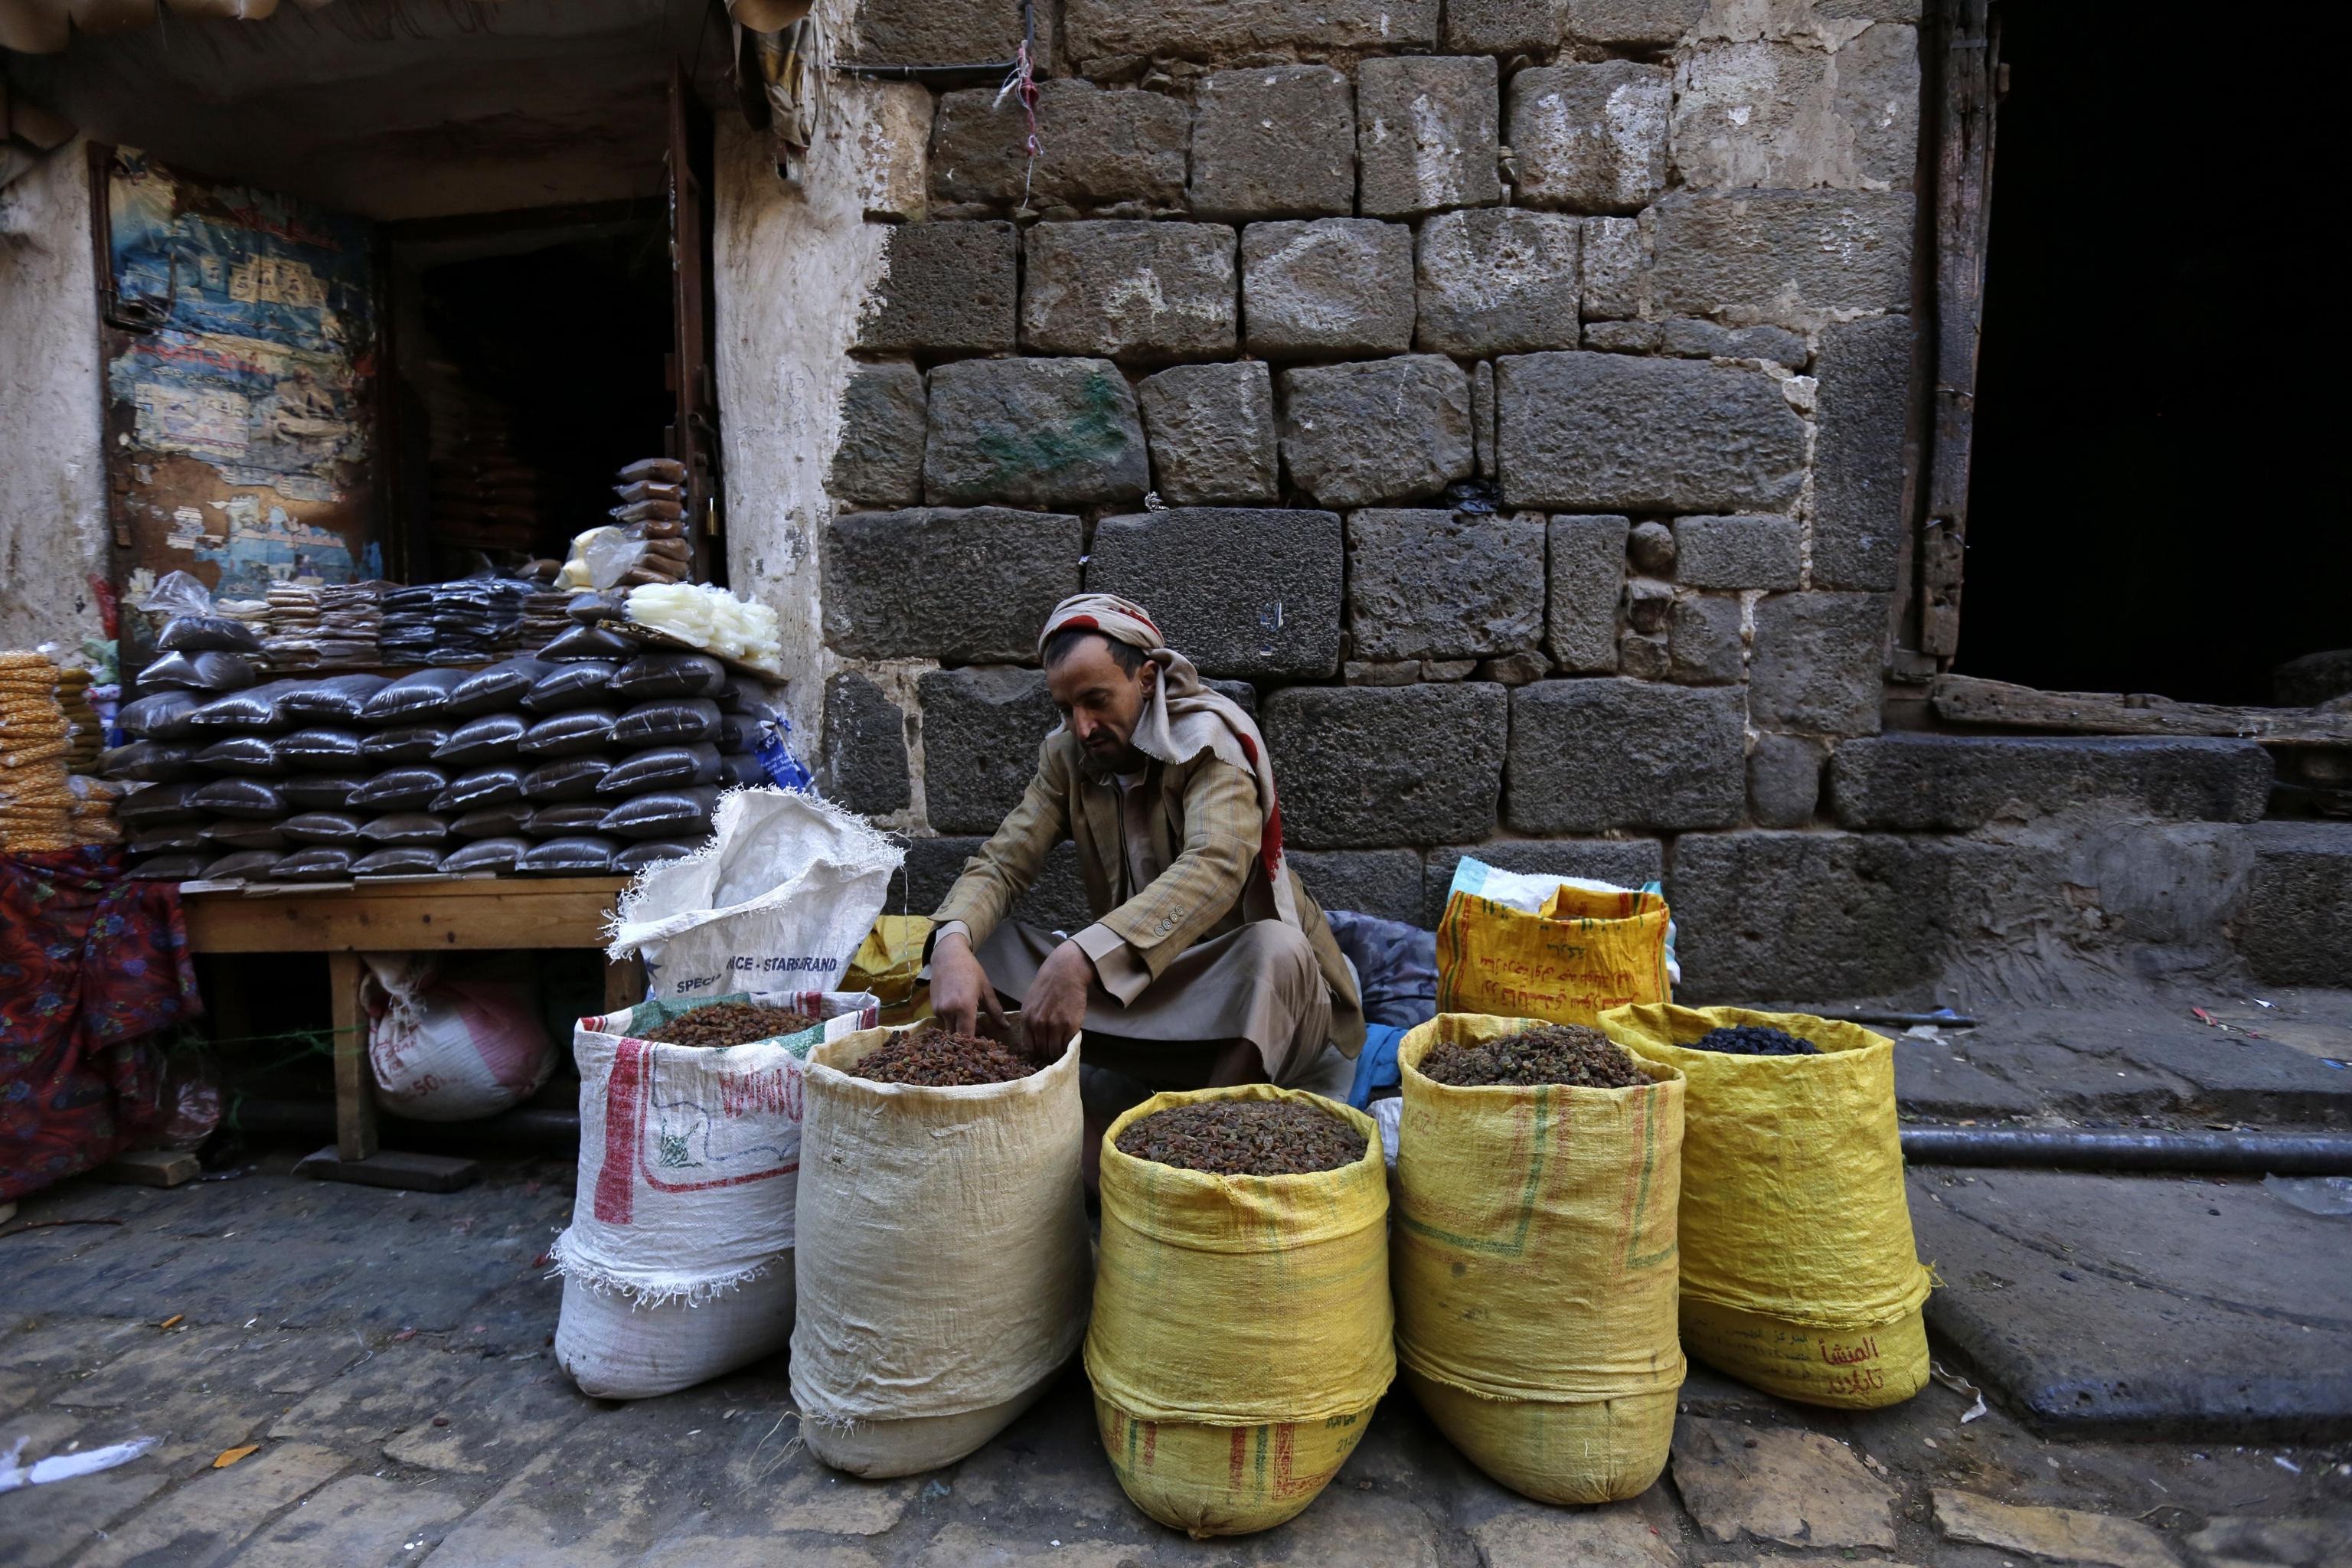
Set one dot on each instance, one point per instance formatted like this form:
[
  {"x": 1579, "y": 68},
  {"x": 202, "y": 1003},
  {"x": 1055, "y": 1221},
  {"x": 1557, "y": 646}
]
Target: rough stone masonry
[{"x": 1509, "y": 396}]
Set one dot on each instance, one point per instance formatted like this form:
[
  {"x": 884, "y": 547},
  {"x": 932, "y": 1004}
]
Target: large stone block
[
  {"x": 1703, "y": 645},
  {"x": 1784, "y": 780},
  {"x": 2293, "y": 925},
  {"x": 1859, "y": 413},
  {"x": 1917, "y": 782},
  {"x": 1793, "y": 259},
  {"x": 1591, "y": 138},
  {"x": 1647, "y": 23},
  {"x": 1384, "y": 883},
  {"x": 1056, "y": 901},
  {"x": 1443, "y": 584},
  {"x": 1241, "y": 592},
  {"x": 1368, "y": 765},
  {"x": 935, "y": 582},
  {"x": 1379, "y": 431},
  {"x": 1587, "y": 575},
  {"x": 891, "y": 175},
  {"x": 982, "y": 727},
  {"x": 1589, "y": 756},
  {"x": 1585, "y": 431},
  {"x": 946, "y": 288},
  {"x": 1820, "y": 662},
  {"x": 1134, "y": 292},
  {"x": 1626, "y": 862},
  {"x": 1695, "y": 338},
  {"x": 1616, "y": 265},
  {"x": 1737, "y": 552},
  {"x": 1275, "y": 141},
  {"x": 1500, "y": 26},
  {"x": 1213, "y": 433},
  {"x": 1426, "y": 134},
  {"x": 879, "y": 461},
  {"x": 1497, "y": 280},
  {"x": 1224, "y": 29},
  {"x": 1107, "y": 147},
  {"x": 1807, "y": 917},
  {"x": 1334, "y": 286},
  {"x": 935, "y": 32},
  {"x": 1036, "y": 432},
  {"x": 1780, "y": 115},
  {"x": 863, "y": 764}
]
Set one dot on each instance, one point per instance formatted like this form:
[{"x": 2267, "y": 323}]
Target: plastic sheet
[
  {"x": 158, "y": 804},
  {"x": 170, "y": 868},
  {"x": 149, "y": 761},
  {"x": 570, "y": 734},
  {"x": 664, "y": 813},
  {"x": 662, "y": 767},
  {"x": 576, "y": 685},
  {"x": 321, "y": 791},
  {"x": 592, "y": 643},
  {"x": 405, "y": 827},
  {"x": 567, "y": 778},
  {"x": 321, "y": 863},
  {"x": 399, "y": 860},
  {"x": 492, "y": 738},
  {"x": 238, "y": 797},
  {"x": 498, "y": 784},
  {"x": 668, "y": 674},
  {"x": 255, "y": 708},
  {"x": 414, "y": 697},
  {"x": 555, "y": 821},
  {"x": 327, "y": 751},
  {"x": 743, "y": 771},
  {"x": 578, "y": 857},
  {"x": 501, "y": 686},
  {"x": 323, "y": 827},
  {"x": 401, "y": 789},
  {"x": 492, "y": 822},
  {"x": 163, "y": 717},
  {"x": 668, "y": 720},
  {"x": 334, "y": 699},
  {"x": 198, "y": 672},
  {"x": 254, "y": 754},
  {"x": 500, "y": 853},
  {"x": 235, "y": 833},
  {"x": 404, "y": 743},
  {"x": 653, "y": 852},
  {"x": 245, "y": 865},
  {"x": 181, "y": 837}
]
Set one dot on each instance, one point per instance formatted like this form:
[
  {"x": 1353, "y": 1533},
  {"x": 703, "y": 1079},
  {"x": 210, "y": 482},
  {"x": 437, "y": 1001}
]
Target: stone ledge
[{"x": 1919, "y": 782}]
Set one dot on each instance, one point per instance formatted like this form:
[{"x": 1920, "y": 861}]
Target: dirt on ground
[{"x": 1245, "y": 1138}]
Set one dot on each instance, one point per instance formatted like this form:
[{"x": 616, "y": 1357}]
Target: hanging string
[{"x": 1022, "y": 81}]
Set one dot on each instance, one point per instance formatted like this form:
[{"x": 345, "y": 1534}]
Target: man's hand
[
  {"x": 1056, "y": 1003},
  {"x": 959, "y": 987}
]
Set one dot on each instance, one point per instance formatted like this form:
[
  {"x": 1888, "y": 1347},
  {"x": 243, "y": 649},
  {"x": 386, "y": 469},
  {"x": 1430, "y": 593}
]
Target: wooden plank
[
  {"x": 409, "y": 1172},
  {"x": 355, "y": 1135},
  {"x": 624, "y": 983},
  {"x": 1966, "y": 700},
  {"x": 150, "y": 1168},
  {"x": 407, "y": 917}
]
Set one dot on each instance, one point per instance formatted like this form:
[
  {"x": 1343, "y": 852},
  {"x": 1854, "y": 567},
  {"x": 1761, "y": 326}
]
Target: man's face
[{"x": 1101, "y": 703}]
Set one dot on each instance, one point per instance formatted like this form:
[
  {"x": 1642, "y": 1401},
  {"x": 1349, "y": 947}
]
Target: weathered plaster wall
[{"x": 52, "y": 477}]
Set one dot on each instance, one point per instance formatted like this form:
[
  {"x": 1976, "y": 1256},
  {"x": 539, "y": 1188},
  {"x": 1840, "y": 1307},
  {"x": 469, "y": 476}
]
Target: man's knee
[{"x": 1280, "y": 949}]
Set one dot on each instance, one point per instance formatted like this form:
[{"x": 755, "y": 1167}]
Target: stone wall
[{"x": 1507, "y": 398}]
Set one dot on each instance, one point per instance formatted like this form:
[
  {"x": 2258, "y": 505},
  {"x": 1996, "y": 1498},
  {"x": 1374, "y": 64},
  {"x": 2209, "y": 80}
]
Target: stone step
[{"x": 1956, "y": 784}]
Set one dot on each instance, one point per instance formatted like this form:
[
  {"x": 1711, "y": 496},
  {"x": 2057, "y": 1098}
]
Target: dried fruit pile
[
  {"x": 1755, "y": 1040},
  {"x": 940, "y": 1059},
  {"x": 731, "y": 1023},
  {"x": 1548, "y": 1054},
  {"x": 1245, "y": 1138}
]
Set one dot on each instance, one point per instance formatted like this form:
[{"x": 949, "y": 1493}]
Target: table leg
[
  {"x": 624, "y": 983},
  {"x": 354, "y": 1091}
]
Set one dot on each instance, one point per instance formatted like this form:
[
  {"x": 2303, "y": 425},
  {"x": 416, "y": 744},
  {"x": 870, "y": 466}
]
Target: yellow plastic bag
[
  {"x": 1798, "y": 1272},
  {"x": 889, "y": 963},
  {"x": 1534, "y": 1260},
  {"x": 1584, "y": 953},
  {"x": 1242, "y": 1331}
]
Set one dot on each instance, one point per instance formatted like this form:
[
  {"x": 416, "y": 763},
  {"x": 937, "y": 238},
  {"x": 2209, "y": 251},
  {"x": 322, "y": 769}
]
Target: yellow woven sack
[
  {"x": 1534, "y": 1266},
  {"x": 889, "y": 963},
  {"x": 1584, "y": 953},
  {"x": 1798, "y": 1272},
  {"x": 1241, "y": 1331}
]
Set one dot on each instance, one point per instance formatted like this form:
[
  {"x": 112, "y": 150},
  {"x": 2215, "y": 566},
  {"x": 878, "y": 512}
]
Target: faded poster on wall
[{"x": 240, "y": 371}]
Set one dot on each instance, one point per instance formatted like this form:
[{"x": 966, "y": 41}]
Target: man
[{"x": 1207, "y": 963}]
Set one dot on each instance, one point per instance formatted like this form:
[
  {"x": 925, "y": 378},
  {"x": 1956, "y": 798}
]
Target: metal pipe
[{"x": 2120, "y": 1149}]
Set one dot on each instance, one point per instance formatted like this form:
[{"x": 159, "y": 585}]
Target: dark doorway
[{"x": 2159, "y": 391}]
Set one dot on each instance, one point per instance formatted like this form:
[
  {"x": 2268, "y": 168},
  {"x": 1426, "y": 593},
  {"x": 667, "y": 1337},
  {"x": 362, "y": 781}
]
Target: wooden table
[{"x": 406, "y": 915}]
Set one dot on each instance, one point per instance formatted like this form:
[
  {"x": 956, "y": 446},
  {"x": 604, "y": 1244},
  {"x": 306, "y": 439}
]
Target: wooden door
[{"x": 239, "y": 353}]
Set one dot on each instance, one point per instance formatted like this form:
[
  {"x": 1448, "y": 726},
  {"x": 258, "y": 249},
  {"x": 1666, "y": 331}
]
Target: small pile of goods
[
  {"x": 36, "y": 801},
  {"x": 647, "y": 541},
  {"x": 937, "y": 1056},
  {"x": 339, "y": 626},
  {"x": 454, "y": 623},
  {"x": 726, "y": 1023},
  {"x": 1567, "y": 1054},
  {"x": 1755, "y": 1040},
  {"x": 1245, "y": 1138}
]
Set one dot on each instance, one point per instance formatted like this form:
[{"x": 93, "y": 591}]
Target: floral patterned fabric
[{"x": 91, "y": 964}]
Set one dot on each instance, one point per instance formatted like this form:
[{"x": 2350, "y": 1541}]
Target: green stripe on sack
[{"x": 1517, "y": 1244}]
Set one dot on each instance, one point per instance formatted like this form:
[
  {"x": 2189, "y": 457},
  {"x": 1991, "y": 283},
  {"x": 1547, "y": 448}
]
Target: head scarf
[{"x": 1183, "y": 718}]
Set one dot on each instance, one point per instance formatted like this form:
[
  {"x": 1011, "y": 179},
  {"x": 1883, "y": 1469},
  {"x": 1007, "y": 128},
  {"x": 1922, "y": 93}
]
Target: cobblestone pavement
[{"x": 386, "y": 1357}]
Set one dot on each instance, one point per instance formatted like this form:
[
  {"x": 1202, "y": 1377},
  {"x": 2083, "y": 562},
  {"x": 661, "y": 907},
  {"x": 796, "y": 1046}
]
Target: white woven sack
[
  {"x": 943, "y": 1267},
  {"x": 781, "y": 894},
  {"x": 451, "y": 1050},
  {"x": 615, "y": 1347}
]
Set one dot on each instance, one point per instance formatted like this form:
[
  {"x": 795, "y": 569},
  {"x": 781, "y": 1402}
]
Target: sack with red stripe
[{"x": 677, "y": 1264}]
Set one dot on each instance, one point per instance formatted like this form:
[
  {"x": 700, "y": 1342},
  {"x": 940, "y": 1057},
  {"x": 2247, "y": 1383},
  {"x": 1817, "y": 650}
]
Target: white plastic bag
[
  {"x": 1530, "y": 891},
  {"x": 677, "y": 1263},
  {"x": 451, "y": 1049},
  {"x": 781, "y": 895}
]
